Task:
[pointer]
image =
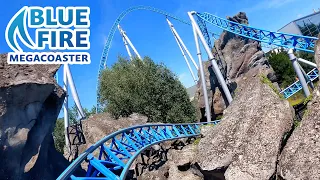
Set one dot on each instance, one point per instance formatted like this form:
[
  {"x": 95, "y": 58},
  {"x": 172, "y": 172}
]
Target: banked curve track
[{"x": 118, "y": 150}]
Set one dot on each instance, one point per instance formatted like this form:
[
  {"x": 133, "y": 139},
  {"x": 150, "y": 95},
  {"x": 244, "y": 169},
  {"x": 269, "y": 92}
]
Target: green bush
[{"x": 146, "y": 88}]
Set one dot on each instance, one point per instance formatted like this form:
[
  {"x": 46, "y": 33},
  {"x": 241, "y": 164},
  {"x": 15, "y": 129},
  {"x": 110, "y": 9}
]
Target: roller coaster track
[
  {"x": 296, "y": 86},
  {"x": 290, "y": 41},
  {"x": 303, "y": 43},
  {"x": 118, "y": 150},
  {"x": 113, "y": 29}
]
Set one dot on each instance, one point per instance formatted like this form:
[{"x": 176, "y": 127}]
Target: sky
[{"x": 149, "y": 31}]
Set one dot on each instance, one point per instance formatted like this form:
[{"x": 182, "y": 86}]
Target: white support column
[
  {"x": 202, "y": 77},
  {"x": 125, "y": 43},
  {"x": 299, "y": 73},
  {"x": 183, "y": 45},
  {"x": 65, "y": 106},
  {"x": 74, "y": 91},
  {"x": 129, "y": 42},
  {"x": 307, "y": 62},
  {"x": 213, "y": 61},
  {"x": 182, "y": 51}
]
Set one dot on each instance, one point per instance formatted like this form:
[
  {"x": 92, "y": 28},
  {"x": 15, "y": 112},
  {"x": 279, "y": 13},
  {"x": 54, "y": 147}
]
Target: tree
[
  {"x": 58, "y": 135},
  {"x": 146, "y": 88},
  {"x": 283, "y": 68}
]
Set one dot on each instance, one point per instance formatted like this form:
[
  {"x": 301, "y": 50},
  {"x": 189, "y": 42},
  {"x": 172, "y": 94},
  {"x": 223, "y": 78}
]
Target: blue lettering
[
  {"x": 29, "y": 58},
  {"x": 65, "y": 58},
  {"x": 14, "y": 58},
  {"x": 22, "y": 58},
  {"x": 36, "y": 18},
  {"x": 58, "y": 58},
  {"x": 36, "y": 58},
  {"x": 41, "y": 39},
  {"x": 53, "y": 39},
  {"x": 50, "y": 58},
  {"x": 61, "y": 15},
  {"x": 85, "y": 58},
  {"x": 65, "y": 39},
  {"x": 79, "y": 39},
  {"x": 79, "y": 17},
  {"x": 78, "y": 58},
  {"x": 50, "y": 19},
  {"x": 71, "y": 57},
  {"x": 42, "y": 58}
]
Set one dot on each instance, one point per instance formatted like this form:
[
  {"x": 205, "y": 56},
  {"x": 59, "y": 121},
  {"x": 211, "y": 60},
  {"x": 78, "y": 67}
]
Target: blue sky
[{"x": 150, "y": 33}]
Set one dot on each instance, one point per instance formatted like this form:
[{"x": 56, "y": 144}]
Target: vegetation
[
  {"x": 58, "y": 132},
  {"x": 285, "y": 73},
  {"x": 283, "y": 68},
  {"x": 264, "y": 79},
  {"x": 147, "y": 88}
]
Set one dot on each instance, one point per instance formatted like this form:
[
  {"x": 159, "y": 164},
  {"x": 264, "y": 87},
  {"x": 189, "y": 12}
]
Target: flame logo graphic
[{"x": 17, "y": 26}]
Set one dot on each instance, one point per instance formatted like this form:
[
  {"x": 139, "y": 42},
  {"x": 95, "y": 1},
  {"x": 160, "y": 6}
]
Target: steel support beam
[
  {"x": 202, "y": 77},
  {"x": 129, "y": 42},
  {"x": 306, "y": 76},
  {"x": 175, "y": 34},
  {"x": 183, "y": 45},
  {"x": 307, "y": 62},
  {"x": 125, "y": 43},
  {"x": 65, "y": 107},
  {"x": 74, "y": 91},
  {"x": 299, "y": 73},
  {"x": 213, "y": 61}
]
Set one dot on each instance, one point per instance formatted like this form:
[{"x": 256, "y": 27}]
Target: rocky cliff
[
  {"x": 30, "y": 101},
  {"x": 300, "y": 157},
  {"x": 247, "y": 141},
  {"x": 236, "y": 56}
]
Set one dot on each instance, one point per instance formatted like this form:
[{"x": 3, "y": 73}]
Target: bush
[{"x": 146, "y": 88}]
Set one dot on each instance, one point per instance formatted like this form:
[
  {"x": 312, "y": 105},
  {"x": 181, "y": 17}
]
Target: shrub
[{"x": 146, "y": 88}]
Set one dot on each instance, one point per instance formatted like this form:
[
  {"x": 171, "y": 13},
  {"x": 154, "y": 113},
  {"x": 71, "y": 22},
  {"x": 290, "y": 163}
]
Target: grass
[{"x": 265, "y": 80}]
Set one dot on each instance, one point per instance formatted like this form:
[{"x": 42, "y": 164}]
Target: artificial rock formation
[
  {"x": 30, "y": 101},
  {"x": 300, "y": 157},
  {"x": 99, "y": 125},
  {"x": 248, "y": 139},
  {"x": 236, "y": 56}
]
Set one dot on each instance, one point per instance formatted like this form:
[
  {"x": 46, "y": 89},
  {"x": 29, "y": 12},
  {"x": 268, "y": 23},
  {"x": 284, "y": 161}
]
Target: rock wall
[
  {"x": 236, "y": 56},
  {"x": 248, "y": 139},
  {"x": 98, "y": 126},
  {"x": 300, "y": 157},
  {"x": 30, "y": 101}
]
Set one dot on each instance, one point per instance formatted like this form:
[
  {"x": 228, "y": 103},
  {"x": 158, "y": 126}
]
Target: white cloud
[{"x": 299, "y": 15}]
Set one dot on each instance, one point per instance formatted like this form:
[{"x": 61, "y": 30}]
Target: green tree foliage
[
  {"x": 283, "y": 68},
  {"x": 58, "y": 135},
  {"x": 146, "y": 88}
]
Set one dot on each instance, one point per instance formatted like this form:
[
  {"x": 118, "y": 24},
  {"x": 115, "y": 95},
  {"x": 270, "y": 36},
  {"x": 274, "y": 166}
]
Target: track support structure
[
  {"x": 299, "y": 72},
  {"x": 183, "y": 49},
  {"x": 127, "y": 40},
  {"x": 213, "y": 61},
  {"x": 202, "y": 77}
]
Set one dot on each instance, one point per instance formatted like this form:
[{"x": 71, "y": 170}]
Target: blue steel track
[{"x": 118, "y": 150}]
